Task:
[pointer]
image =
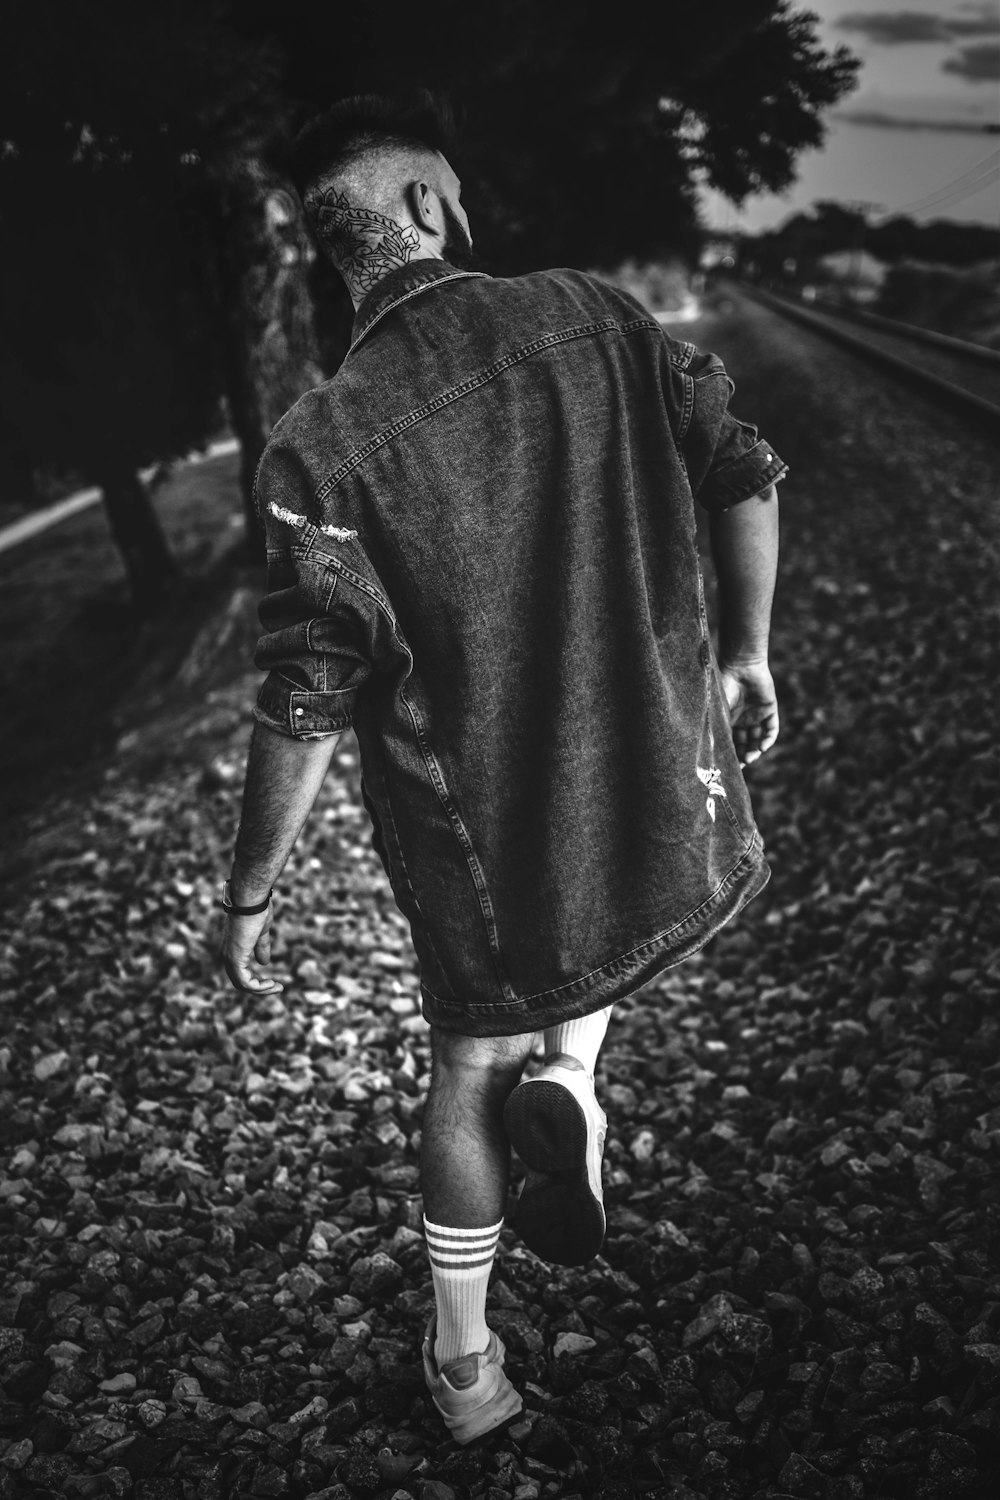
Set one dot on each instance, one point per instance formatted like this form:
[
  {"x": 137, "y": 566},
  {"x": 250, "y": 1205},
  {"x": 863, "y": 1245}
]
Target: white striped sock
[
  {"x": 461, "y": 1261},
  {"x": 581, "y": 1038}
]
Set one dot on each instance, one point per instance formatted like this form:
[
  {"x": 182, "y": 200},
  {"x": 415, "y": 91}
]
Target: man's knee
[{"x": 490, "y": 1055}]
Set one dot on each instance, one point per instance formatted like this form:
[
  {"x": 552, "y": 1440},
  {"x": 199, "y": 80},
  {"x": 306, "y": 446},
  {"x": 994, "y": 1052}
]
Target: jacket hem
[{"x": 618, "y": 977}]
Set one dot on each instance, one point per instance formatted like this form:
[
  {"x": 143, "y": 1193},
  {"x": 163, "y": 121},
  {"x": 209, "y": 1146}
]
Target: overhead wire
[
  {"x": 982, "y": 172},
  {"x": 948, "y": 200},
  {"x": 987, "y": 167},
  {"x": 972, "y": 171}
]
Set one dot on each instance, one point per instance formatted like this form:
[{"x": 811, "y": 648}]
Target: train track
[{"x": 962, "y": 376}]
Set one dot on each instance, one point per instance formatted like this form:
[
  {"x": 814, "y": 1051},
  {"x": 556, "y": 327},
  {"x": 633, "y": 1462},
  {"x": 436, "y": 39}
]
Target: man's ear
[{"x": 424, "y": 208}]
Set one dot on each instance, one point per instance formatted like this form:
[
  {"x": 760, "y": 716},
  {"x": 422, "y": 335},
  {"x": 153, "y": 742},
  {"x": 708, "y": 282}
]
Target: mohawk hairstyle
[{"x": 353, "y": 126}]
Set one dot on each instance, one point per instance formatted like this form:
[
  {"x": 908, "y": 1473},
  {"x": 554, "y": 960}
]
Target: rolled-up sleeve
[
  {"x": 316, "y": 649},
  {"x": 726, "y": 459}
]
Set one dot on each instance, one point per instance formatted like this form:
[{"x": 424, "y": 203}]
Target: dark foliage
[
  {"x": 830, "y": 227},
  {"x": 962, "y": 302},
  {"x": 150, "y": 264},
  {"x": 582, "y": 135},
  {"x": 109, "y": 312}
]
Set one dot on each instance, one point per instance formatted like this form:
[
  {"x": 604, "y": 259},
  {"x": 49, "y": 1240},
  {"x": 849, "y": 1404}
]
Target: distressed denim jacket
[{"x": 482, "y": 555}]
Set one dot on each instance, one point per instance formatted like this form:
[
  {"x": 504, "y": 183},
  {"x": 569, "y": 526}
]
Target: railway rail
[{"x": 962, "y": 376}]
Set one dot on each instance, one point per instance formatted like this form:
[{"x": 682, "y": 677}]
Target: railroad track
[{"x": 963, "y": 376}]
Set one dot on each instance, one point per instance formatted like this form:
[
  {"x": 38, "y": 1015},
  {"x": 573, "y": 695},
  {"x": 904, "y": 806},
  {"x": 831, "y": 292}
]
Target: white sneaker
[
  {"x": 472, "y": 1392},
  {"x": 557, "y": 1128}
]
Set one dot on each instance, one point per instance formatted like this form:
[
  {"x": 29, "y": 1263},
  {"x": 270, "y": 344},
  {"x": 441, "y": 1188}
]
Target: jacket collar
[{"x": 399, "y": 286}]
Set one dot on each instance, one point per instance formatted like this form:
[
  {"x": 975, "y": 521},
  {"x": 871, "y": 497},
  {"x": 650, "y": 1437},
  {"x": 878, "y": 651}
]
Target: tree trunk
[
  {"x": 139, "y": 537},
  {"x": 271, "y": 353}
]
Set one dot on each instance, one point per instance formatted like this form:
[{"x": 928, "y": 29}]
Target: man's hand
[
  {"x": 244, "y": 938},
  {"x": 753, "y": 708}
]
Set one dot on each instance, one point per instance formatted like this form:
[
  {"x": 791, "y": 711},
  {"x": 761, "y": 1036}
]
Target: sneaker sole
[{"x": 557, "y": 1215}]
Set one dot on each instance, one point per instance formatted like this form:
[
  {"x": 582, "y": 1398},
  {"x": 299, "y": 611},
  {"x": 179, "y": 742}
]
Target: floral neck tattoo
[{"x": 365, "y": 245}]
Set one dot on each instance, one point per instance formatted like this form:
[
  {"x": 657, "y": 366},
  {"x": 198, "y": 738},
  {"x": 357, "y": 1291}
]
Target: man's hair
[{"x": 354, "y": 128}]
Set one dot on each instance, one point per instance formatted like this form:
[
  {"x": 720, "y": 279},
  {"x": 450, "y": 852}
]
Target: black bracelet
[{"x": 243, "y": 911}]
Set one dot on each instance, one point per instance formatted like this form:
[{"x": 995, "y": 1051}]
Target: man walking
[{"x": 481, "y": 554}]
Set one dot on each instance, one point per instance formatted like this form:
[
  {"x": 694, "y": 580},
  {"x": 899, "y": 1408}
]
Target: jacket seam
[
  {"x": 462, "y": 835},
  {"x": 686, "y": 355},
  {"x": 687, "y": 411},
  {"x": 399, "y": 860},
  {"x": 475, "y": 382},
  {"x": 309, "y": 626},
  {"x": 334, "y": 564}
]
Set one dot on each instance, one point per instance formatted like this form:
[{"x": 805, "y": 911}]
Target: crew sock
[
  {"x": 461, "y": 1261},
  {"x": 581, "y": 1038}
]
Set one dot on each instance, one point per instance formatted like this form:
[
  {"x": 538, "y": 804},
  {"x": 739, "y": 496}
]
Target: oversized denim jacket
[{"x": 481, "y": 553}]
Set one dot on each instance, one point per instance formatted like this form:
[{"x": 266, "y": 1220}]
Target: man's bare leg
[{"x": 465, "y": 1173}]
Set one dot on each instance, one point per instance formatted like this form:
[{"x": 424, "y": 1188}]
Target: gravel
[{"x": 213, "y": 1278}]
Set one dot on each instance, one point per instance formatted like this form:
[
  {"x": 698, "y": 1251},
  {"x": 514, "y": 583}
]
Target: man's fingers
[
  {"x": 240, "y": 943},
  {"x": 770, "y": 732},
  {"x": 242, "y": 977},
  {"x": 753, "y": 739}
]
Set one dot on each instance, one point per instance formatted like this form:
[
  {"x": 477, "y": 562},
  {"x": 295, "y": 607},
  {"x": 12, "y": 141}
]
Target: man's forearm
[
  {"x": 744, "y": 544},
  {"x": 283, "y": 779}
]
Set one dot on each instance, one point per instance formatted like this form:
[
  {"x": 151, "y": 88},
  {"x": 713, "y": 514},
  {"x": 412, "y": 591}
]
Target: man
[{"x": 482, "y": 556}]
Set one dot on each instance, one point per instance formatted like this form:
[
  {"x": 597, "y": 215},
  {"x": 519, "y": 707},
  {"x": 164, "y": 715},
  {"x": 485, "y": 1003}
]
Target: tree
[
  {"x": 149, "y": 259},
  {"x": 585, "y": 135},
  {"x": 269, "y": 341},
  {"x": 167, "y": 258},
  {"x": 103, "y": 309},
  {"x": 830, "y": 227}
]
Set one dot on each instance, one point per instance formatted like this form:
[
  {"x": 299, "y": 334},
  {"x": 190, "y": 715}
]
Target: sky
[{"x": 910, "y": 137}]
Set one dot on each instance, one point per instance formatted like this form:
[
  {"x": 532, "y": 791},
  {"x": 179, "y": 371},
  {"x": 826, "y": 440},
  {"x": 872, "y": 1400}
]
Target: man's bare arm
[
  {"x": 283, "y": 779},
  {"x": 744, "y": 542}
]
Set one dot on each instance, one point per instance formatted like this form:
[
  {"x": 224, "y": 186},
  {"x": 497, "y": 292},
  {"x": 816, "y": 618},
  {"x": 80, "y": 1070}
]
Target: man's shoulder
[
  {"x": 569, "y": 285},
  {"x": 308, "y": 419},
  {"x": 582, "y": 297}
]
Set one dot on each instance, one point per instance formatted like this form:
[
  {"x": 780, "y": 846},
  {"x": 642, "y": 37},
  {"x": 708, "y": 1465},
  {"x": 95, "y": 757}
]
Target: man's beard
[{"x": 457, "y": 246}]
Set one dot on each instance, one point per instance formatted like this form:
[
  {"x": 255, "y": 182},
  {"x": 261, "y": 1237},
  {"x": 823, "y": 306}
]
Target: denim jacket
[{"x": 482, "y": 555}]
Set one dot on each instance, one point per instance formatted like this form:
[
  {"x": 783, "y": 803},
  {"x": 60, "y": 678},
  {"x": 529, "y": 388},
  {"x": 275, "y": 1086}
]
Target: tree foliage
[
  {"x": 109, "y": 315},
  {"x": 584, "y": 135},
  {"x": 151, "y": 260},
  {"x": 830, "y": 227}
]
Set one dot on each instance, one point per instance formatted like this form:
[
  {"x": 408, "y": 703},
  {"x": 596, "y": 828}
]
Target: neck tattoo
[{"x": 365, "y": 245}]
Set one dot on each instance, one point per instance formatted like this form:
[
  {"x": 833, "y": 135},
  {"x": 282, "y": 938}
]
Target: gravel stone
[{"x": 215, "y": 1281}]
